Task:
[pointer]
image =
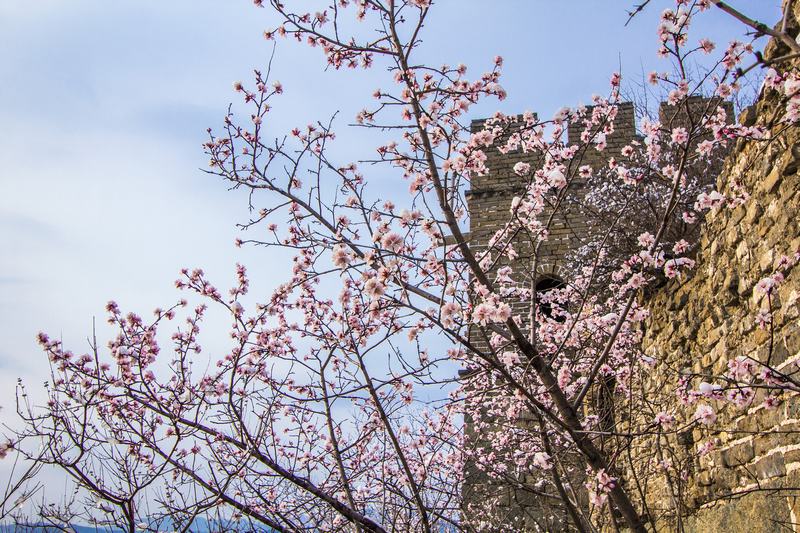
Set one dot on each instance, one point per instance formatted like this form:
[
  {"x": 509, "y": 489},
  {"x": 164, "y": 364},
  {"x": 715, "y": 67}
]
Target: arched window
[{"x": 545, "y": 284}]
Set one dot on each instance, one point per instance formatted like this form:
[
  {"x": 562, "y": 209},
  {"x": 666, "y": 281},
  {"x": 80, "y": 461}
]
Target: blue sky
[{"x": 104, "y": 106}]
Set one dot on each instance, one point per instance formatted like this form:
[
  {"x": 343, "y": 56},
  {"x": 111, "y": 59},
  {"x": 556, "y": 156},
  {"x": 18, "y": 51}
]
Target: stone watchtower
[
  {"x": 489, "y": 200},
  {"x": 489, "y": 197}
]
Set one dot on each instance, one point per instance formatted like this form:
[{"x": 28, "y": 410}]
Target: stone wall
[
  {"x": 700, "y": 324},
  {"x": 750, "y": 478},
  {"x": 489, "y": 202}
]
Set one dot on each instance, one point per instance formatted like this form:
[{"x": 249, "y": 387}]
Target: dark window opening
[{"x": 543, "y": 286}]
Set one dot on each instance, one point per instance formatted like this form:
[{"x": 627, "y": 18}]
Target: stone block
[
  {"x": 738, "y": 455},
  {"x": 791, "y": 341},
  {"x": 772, "y": 181},
  {"x": 792, "y": 456},
  {"x": 766, "y": 443},
  {"x": 704, "y": 478},
  {"x": 771, "y": 466}
]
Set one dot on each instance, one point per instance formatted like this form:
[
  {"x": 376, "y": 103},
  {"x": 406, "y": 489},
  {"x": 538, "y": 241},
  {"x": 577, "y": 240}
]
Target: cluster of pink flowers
[{"x": 600, "y": 487}]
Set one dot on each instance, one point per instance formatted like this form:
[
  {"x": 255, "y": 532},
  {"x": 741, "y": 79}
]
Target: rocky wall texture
[
  {"x": 698, "y": 325},
  {"x": 571, "y": 227},
  {"x": 743, "y": 472}
]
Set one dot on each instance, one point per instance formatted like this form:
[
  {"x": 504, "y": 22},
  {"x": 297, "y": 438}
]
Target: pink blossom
[
  {"x": 741, "y": 368},
  {"x": 765, "y": 285},
  {"x": 501, "y": 312},
  {"x": 708, "y": 200},
  {"x": 341, "y": 256},
  {"x": 665, "y": 420},
  {"x": 522, "y": 169},
  {"x": 605, "y": 482},
  {"x": 741, "y": 396},
  {"x": 600, "y": 142},
  {"x": 597, "y": 499},
  {"x": 628, "y": 176},
  {"x": 672, "y": 266},
  {"x": 791, "y": 87},
  {"x": 680, "y": 135},
  {"x": 564, "y": 377},
  {"x": 763, "y": 318},
  {"x": 708, "y": 390},
  {"x": 449, "y": 312},
  {"x": 556, "y": 178},
  {"x": 724, "y": 90},
  {"x": 392, "y": 241},
  {"x": 706, "y": 448},
  {"x": 481, "y": 314},
  {"x": 542, "y": 460},
  {"x": 646, "y": 239},
  {"x": 680, "y": 247},
  {"x": 374, "y": 288},
  {"x": 304, "y": 342},
  {"x": 509, "y": 358},
  {"x": 771, "y": 402},
  {"x": 772, "y": 79},
  {"x": 705, "y": 147},
  {"x": 707, "y": 46},
  {"x": 705, "y": 415}
]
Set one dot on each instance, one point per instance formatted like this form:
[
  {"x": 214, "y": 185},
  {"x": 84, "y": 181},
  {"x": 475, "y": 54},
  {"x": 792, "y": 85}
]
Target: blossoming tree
[{"x": 337, "y": 407}]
